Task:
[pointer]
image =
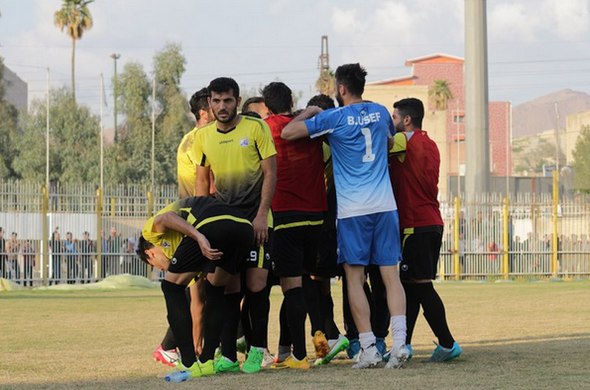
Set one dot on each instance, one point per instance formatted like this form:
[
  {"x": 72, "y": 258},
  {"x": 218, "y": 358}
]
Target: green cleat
[
  {"x": 340, "y": 345},
  {"x": 226, "y": 365},
  {"x": 253, "y": 362}
]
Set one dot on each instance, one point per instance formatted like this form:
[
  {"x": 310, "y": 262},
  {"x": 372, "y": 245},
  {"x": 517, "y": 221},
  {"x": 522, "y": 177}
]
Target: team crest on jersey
[
  {"x": 244, "y": 142},
  {"x": 165, "y": 244}
]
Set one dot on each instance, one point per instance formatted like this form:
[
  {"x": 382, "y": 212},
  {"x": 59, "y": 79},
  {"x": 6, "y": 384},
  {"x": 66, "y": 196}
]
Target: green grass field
[{"x": 527, "y": 335}]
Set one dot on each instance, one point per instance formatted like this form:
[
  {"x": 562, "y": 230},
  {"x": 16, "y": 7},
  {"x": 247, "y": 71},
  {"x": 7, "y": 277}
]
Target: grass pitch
[{"x": 527, "y": 335}]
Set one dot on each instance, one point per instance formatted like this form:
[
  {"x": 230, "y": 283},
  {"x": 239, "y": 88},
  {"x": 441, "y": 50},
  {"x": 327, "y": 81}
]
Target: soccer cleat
[
  {"x": 442, "y": 354},
  {"x": 168, "y": 357},
  {"x": 197, "y": 370},
  {"x": 354, "y": 348},
  {"x": 226, "y": 365},
  {"x": 283, "y": 353},
  {"x": 320, "y": 343},
  {"x": 268, "y": 358},
  {"x": 241, "y": 345},
  {"x": 408, "y": 346},
  {"x": 253, "y": 362},
  {"x": 368, "y": 358},
  {"x": 399, "y": 357},
  {"x": 339, "y": 345},
  {"x": 292, "y": 362}
]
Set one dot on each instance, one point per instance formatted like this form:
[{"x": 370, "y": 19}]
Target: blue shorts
[{"x": 369, "y": 239}]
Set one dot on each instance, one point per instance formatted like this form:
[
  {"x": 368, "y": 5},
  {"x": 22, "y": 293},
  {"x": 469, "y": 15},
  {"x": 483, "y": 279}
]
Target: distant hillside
[{"x": 540, "y": 114}]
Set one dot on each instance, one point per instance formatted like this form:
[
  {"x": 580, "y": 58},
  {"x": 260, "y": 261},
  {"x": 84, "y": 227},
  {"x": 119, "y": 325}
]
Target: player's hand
[
  {"x": 260, "y": 225},
  {"x": 206, "y": 250}
]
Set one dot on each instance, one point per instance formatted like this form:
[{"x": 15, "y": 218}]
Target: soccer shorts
[
  {"x": 369, "y": 239},
  {"x": 420, "y": 252},
  {"x": 295, "y": 243},
  {"x": 259, "y": 256}
]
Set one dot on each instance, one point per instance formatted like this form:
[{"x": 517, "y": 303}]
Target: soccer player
[
  {"x": 186, "y": 166},
  {"x": 414, "y": 173},
  {"x": 240, "y": 152},
  {"x": 186, "y": 169},
  {"x": 255, "y": 104},
  {"x": 192, "y": 235},
  {"x": 368, "y": 230},
  {"x": 298, "y": 206}
]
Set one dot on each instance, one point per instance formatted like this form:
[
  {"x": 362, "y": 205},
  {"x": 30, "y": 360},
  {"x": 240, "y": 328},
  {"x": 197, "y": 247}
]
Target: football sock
[
  {"x": 230, "y": 324},
  {"x": 285, "y": 335},
  {"x": 214, "y": 312},
  {"x": 380, "y": 310},
  {"x": 366, "y": 339},
  {"x": 412, "y": 309},
  {"x": 169, "y": 342},
  {"x": 398, "y": 330},
  {"x": 327, "y": 307},
  {"x": 259, "y": 304},
  {"x": 296, "y": 313},
  {"x": 434, "y": 312},
  {"x": 179, "y": 318},
  {"x": 312, "y": 301}
]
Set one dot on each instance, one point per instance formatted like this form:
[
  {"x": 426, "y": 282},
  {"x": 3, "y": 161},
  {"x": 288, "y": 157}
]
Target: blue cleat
[
  {"x": 381, "y": 346},
  {"x": 354, "y": 348},
  {"x": 442, "y": 354}
]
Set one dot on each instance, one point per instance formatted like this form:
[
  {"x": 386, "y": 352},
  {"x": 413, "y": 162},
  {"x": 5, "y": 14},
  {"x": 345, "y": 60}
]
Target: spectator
[
  {"x": 27, "y": 253},
  {"x": 13, "y": 248},
  {"x": 56, "y": 253},
  {"x": 71, "y": 258},
  {"x": 87, "y": 251}
]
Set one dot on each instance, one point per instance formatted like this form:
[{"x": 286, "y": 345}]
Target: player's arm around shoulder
[{"x": 297, "y": 128}]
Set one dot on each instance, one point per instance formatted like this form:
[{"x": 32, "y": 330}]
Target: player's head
[
  {"x": 322, "y": 101},
  {"x": 408, "y": 113},
  {"x": 278, "y": 97},
  {"x": 143, "y": 246},
  {"x": 256, "y": 104},
  {"x": 352, "y": 78},
  {"x": 151, "y": 254},
  {"x": 224, "y": 98},
  {"x": 252, "y": 114},
  {"x": 199, "y": 102}
]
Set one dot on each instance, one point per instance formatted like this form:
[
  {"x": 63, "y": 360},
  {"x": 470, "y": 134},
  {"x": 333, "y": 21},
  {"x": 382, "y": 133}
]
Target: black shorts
[
  {"x": 259, "y": 256},
  {"x": 295, "y": 243},
  {"x": 420, "y": 253},
  {"x": 230, "y": 233},
  {"x": 326, "y": 264}
]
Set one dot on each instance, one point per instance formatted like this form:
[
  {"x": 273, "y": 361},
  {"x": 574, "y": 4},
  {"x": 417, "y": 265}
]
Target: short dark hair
[
  {"x": 224, "y": 84},
  {"x": 251, "y": 100},
  {"x": 412, "y": 107},
  {"x": 322, "y": 101},
  {"x": 142, "y": 246},
  {"x": 278, "y": 97},
  {"x": 352, "y": 76},
  {"x": 199, "y": 102}
]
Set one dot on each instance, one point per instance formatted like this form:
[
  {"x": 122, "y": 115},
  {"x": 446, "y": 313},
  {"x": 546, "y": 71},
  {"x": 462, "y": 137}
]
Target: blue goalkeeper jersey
[{"x": 358, "y": 135}]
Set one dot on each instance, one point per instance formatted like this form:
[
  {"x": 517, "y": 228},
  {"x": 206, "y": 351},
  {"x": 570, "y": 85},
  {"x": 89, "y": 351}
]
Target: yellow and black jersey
[
  {"x": 234, "y": 157},
  {"x": 186, "y": 165}
]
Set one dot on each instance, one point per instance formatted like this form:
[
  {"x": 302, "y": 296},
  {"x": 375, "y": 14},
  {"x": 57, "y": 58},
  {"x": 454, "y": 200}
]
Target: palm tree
[
  {"x": 440, "y": 93},
  {"x": 326, "y": 83},
  {"x": 74, "y": 17}
]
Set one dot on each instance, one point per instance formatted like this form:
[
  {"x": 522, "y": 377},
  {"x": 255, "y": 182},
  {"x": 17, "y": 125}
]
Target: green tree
[
  {"x": 74, "y": 17},
  {"x": 73, "y": 142},
  {"x": 440, "y": 93},
  {"x": 130, "y": 159},
  {"x": 8, "y": 130},
  {"x": 174, "y": 120},
  {"x": 531, "y": 153},
  {"x": 581, "y": 165}
]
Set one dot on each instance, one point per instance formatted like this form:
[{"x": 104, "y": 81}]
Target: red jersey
[
  {"x": 300, "y": 171},
  {"x": 414, "y": 176}
]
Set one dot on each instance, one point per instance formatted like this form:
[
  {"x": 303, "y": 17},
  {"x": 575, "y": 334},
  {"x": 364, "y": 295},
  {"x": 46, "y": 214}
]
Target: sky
[{"x": 535, "y": 47}]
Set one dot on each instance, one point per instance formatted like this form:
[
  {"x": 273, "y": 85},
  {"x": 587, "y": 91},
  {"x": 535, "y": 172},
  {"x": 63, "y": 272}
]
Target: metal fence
[{"x": 79, "y": 234}]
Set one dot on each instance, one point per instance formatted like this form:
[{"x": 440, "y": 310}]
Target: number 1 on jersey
[{"x": 369, "y": 156}]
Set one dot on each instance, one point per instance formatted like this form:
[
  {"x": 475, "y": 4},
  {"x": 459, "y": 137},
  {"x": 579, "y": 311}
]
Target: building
[{"x": 446, "y": 126}]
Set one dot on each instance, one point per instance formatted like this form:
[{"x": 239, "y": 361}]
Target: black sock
[
  {"x": 179, "y": 318},
  {"x": 434, "y": 312},
  {"x": 381, "y": 317},
  {"x": 349, "y": 326},
  {"x": 327, "y": 305},
  {"x": 295, "y": 307},
  {"x": 245, "y": 322},
  {"x": 284, "y": 335},
  {"x": 312, "y": 301},
  {"x": 169, "y": 342},
  {"x": 213, "y": 315},
  {"x": 230, "y": 324},
  {"x": 259, "y": 307},
  {"x": 412, "y": 309}
]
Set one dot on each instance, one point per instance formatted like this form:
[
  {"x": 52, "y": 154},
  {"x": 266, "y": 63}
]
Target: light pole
[{"x": 115, "y": 57}]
